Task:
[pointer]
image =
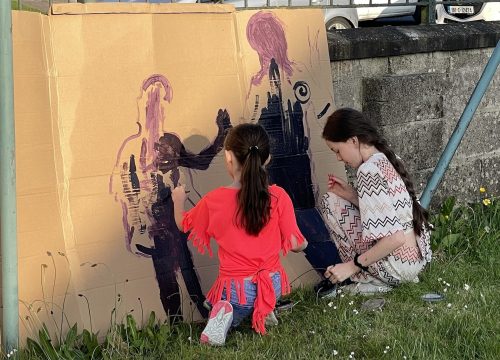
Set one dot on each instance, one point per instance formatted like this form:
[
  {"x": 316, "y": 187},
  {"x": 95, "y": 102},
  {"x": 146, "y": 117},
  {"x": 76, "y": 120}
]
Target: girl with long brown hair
[
  {"x": 380, "y": 229},
  {"x": 252, "y": 223}
]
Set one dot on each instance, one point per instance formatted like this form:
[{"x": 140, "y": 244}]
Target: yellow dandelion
[
  {"x": 482, "y": 190},
  {"x": 446, "y": 217},
  {"x": 486, "y": 202}
]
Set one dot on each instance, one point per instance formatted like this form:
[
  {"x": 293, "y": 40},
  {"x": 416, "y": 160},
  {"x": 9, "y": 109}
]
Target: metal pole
[
  {"x": 462, "y": 125},
  {"x": 8, "y": 230},
  {"x": 432, "y": 12}
]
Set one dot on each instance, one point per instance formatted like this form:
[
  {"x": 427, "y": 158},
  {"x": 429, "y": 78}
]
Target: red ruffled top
[{"x": 242, "y": 255}]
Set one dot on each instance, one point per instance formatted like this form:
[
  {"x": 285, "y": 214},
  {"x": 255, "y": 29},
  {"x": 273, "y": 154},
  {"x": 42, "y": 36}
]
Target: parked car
[
  {"x": 340, "y": 18},
  {"x": 489, "y": 11},
  {"x": 335, "y": 18}
]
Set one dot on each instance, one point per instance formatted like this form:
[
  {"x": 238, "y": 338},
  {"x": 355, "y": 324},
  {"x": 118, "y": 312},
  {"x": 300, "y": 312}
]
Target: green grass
[{"x": 465, "y": 325}]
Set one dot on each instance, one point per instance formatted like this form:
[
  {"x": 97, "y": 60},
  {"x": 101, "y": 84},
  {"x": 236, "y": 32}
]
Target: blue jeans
[{"x": 241, "y": 312}]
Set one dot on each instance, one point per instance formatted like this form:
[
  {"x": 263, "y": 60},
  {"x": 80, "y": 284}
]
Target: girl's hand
[
  {"x": 342, "y": 188},
  {"x": 179, "y": 195},
  {"x": 340, "y": 272}
]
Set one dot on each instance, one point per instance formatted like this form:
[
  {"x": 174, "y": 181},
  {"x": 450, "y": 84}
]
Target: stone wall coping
[{"x": 401, "y": 40}]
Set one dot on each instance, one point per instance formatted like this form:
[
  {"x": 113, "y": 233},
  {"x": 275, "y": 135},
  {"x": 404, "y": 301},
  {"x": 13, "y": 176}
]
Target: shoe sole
[{"x": 218, "y": 324}]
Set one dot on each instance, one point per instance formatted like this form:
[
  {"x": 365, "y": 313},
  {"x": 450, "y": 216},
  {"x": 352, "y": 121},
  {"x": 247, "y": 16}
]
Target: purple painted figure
[{"x": 148, "y": 164}]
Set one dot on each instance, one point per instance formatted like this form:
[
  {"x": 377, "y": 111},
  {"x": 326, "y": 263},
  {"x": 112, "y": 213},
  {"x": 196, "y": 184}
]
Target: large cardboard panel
[{"x": 116, "y": 104}]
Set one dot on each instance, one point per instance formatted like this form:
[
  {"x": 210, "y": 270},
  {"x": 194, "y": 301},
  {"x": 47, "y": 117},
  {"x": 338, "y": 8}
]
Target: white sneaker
[
  {"x": 219, "y": 322},
  {"x": 271, "y": 319}
]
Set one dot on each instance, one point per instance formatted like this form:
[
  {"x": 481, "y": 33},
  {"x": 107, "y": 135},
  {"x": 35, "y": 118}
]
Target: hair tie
[{"x": 253, "y": 148}]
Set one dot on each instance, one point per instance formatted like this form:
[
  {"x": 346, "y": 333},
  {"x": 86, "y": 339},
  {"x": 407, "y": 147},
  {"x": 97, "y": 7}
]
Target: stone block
[
  {"x": 348, "y": 76},
  {"x": 481, "y": 137},
  {"x": 418, "y": 144},
  {"x": 490, "y": 174},
  {"x": 434, "y": 62},
  {"x": 462, "y": 179},
  {"x": 403, "y": 99}
]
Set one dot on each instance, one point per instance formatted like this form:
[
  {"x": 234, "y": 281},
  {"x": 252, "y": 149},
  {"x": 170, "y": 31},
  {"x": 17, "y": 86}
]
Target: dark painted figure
[
  {"x": 146, "y": 200},
  {"x": 290, "y": 165}
]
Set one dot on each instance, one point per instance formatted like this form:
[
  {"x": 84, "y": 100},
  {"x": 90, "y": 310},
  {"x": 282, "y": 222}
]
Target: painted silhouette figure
[
  {"x": 286, "y": 121},
  {"x": 148, "y": 164}
]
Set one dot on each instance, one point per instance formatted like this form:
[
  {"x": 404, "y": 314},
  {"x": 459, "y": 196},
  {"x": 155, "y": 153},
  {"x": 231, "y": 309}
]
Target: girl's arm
[
  {"x": 382, "y": 248},
  {"x": 179, "y": 198},
  {"x": 297, "y": 248},
  {"x": 343, "y": 189}
]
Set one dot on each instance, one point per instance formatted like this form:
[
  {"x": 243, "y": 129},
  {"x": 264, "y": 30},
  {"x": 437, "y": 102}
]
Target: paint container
[
  {"x": 283, "y": 305},
  {"x": 373, "y": 304}
]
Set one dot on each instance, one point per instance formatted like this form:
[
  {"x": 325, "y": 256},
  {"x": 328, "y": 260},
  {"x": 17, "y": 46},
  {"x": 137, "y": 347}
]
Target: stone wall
[{"x": 418, "y": 93}]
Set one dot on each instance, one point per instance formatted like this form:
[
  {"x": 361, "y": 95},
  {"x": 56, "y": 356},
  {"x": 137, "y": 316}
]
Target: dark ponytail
[
  {"x": 346, "y": 123},
  {"x": 250, "y": 145}
]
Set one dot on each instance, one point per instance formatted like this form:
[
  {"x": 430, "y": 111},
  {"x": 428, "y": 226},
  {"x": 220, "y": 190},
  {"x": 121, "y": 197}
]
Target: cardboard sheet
[{"x": 115, "y": 104}]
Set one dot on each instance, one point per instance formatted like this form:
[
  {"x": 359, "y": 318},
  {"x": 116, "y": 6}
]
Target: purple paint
[
  {"x": 266, "y": 36},
  {"x": 148, "y": 164},
  {"x": 158, "y": 78}
]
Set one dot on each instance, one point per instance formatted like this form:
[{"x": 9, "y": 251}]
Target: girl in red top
[{"x": 252, "y": 223}]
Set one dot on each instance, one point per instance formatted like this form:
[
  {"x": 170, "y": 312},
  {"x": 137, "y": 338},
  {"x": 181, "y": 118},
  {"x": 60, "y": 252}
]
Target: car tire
[
  {"x": 338, "y": 23},
  {"x": 417, "y": 16}
]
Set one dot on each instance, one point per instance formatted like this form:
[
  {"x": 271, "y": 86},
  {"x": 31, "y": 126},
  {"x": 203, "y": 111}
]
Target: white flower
[
  {"x": 351, "y": 302},
  {"x": 385, "y": 351},
  {"x": 189, "y": 338},
  {"x": 324, "y": 310},
  {"x": 335, "y": 352},
  {"x": 404, "y": 357},
  {"x": 439, "y": 279},
  {"x": 356, "y": 312},
  {"x": 487, "y": 229},
  {"x": 342, "y": 295},
  {"x": 352, "y": 352},
  {"x": 465, "y": 306},
  {"x": 339, "y": 291},
  {"x": 350, "y": 356},
  {"x": 448, "y": 284},
  {"x": 445, "y": 290},
  {"x": 466, "y": 287},
  {"x": 330, "y": 304},
  {"x": 334, "y": 308},
  {"x": 449, "y": 305},
  {"x": 312, "y": 332},
  {"x": 431, "y": 310},
  {"x": 387, "y": 347}
]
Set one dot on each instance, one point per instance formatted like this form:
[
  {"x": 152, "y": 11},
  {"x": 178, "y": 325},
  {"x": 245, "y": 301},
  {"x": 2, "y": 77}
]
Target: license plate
[{"x": 461, "y": 10}]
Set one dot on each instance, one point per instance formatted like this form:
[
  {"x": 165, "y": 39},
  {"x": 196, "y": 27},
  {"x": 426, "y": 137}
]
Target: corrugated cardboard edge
[{"x": 130, "y": 8}]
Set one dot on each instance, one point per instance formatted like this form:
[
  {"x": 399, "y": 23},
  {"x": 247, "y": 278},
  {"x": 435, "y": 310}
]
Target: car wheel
[
  {"x": 417, "y": 15},
  {"x": 338, "y": 23}
]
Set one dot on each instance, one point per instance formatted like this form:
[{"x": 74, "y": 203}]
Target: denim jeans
[{"x": 241, "y": 312}]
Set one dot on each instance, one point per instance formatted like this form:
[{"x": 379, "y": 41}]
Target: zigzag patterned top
[{"x": 385, "y": 204}]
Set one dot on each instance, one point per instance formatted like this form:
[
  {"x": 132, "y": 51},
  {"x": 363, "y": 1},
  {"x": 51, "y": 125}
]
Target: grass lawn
[{"x": 465, "y": 325}]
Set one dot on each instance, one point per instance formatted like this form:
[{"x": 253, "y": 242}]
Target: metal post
[
  {"x": 431, "y": 8},
  {"x": 8, "y": 230},
  {"x": 462, "y": 125}
]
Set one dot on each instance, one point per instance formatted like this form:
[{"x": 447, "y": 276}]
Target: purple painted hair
[{"x": 266, "y": 36}]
